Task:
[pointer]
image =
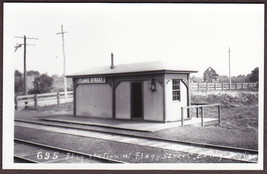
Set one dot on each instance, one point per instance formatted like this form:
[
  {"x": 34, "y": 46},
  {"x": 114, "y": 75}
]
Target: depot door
[{"x": 136, "y": 100}]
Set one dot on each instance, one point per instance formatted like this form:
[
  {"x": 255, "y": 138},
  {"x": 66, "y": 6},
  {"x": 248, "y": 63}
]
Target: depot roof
[{"x": 133, "y": 68}]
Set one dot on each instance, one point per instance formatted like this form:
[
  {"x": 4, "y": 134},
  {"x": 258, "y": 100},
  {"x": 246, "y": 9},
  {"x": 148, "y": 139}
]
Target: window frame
[{"x": 176, "y": 90}]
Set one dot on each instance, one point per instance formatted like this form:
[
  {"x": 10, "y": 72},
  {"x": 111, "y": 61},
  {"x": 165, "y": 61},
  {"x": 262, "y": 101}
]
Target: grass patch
[
  {"x": 239, "y": 108},
  {"x": 61, "y": 108}
]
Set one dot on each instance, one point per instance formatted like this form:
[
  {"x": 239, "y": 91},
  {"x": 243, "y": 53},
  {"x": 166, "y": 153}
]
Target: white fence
[
  {"x": 36, "y": 100},
  {"x": 223, "y": 86}
]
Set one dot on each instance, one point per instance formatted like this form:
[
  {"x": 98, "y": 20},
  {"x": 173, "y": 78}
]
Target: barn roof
[
  {"x": 134, "y": 68},
  {"x": 209, "y": 69}
]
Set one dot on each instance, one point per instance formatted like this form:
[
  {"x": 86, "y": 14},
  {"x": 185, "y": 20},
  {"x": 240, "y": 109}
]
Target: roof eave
[{"x": 134, "y": 73}]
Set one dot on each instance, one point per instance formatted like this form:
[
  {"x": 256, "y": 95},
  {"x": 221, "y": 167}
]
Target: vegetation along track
[
  {"x": 32, "y": 152},
  {"x": 233, "y": 153}
]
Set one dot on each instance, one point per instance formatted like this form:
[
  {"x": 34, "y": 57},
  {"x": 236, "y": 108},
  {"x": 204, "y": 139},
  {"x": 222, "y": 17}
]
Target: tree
[
  {"x": 239, "y": 79},
  {"x": 254, "y": 75},
  {"x": 33, "y": 73},
  {"x": 19, "y": 83},
  {"x": 195, "y": 79},
  {"x": 223, "y": 79},
  {"x": 42, "y": 84}
]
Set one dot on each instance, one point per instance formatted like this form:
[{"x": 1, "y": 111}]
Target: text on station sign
[{"x": 92, "y": 80}]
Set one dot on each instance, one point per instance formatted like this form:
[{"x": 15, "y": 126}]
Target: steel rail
[
  {"x": 219, "y": 147},
  {"x": 25, "y": 160},
  {"x": 91, "y": 156}
]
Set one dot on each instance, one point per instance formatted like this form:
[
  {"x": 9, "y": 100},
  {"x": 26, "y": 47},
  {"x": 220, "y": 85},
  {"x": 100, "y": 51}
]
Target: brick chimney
[{"x": 112, "y": 62}]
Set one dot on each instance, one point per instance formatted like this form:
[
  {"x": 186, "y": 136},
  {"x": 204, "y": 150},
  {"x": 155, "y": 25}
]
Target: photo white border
[{"x": 8, "y": 136}]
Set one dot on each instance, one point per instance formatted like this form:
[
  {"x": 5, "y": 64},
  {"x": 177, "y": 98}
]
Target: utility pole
[
  {"x": 25, "y": 69},
  {"x": 230, "y": 81},
  {"x": 64, "y": 62}
]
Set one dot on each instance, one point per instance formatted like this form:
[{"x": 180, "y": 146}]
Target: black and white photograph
[{"x": 153, "y": 86}]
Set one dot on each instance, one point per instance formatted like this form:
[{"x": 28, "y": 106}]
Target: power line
[{"x": 25, "y": 45}]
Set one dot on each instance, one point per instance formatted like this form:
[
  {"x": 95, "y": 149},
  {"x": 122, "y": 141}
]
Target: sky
[{"x": 196, "y": 36}]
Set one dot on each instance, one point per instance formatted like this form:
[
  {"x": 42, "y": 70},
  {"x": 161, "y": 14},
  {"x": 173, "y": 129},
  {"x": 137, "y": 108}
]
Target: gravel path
[{"x": 111, "y": 149}]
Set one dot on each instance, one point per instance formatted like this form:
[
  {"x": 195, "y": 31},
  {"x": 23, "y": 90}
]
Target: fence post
[
  {"x": 26, "y": 104},
  {"x": 35, "y": 101},
  {"x": 197, "y": 111},
  {"x": 222, "y": 86},
  {"x": 182, "y": 116},
  {"x": 219, "y": 114},
  {"x": 215, "y": 86},
  {"x": 58, "y": 98},
  {"x": 16, "y": 102},
  {"x": 202, "y": 117},
  {"x": 207, "y": 86}
]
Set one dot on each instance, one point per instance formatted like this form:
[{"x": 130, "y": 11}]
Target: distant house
[
  {"x": 31, "y": 75},
  {"x": 210, "y": 75},
  {"x": 30, "y": 80}
]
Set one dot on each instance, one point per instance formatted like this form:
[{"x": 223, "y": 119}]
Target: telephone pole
[
  {"x": 230, "y": 81},
  {"x": 64, "y": 62},
  {"x": 25, "y": 45}
]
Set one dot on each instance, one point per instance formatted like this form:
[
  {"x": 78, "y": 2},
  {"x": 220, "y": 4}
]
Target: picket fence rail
[
  {"x": 35, "y": 100},
  {"x": 222, "y": 86}
]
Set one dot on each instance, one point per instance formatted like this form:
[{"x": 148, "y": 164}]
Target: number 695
[{"x": 47, "y": 155}]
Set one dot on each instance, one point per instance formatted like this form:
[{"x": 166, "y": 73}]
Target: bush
[
  {"x": 42, "y": 84},
  {"x": 229, "y": 99}
]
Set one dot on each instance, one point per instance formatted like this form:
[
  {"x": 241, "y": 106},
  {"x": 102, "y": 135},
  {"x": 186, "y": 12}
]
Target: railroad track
[
  {"x": 20, "y": 159},
  {"x": 32, "y": 152},
  {"x": 233, "y": 153}
]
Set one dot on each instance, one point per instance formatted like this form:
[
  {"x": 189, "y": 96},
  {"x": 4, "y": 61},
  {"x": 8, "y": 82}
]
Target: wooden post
[
  {"x": 219, "y": 114},
  {"x": 188, "y": 96},
  {"x": 242, "y": 87},
  {"x": 182, "y": 116},
  {"x": 236, "y": 86},
  {"x": 26, "y": 103},
  {"x": 35, "y": 101},
  {"x": 74, "y": 95},
  {"x": 197, "y": 111},
  {"x": 113, "y": 99},
  {"x": 202, "y": 117},
  {"x": 215, "y": 86},
  {"x": 230, "y": 81},
  {"x": 58, "y": 98},
  {"x": 16, "y": 102},
  {"x": 25, "y": 71},
  {"x": 207, "y": 86},
  {"x": 222, "y": 86}
]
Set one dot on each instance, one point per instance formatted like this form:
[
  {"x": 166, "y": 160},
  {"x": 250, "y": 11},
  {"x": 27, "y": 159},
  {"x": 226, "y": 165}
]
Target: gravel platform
[{"x": 120, "y": 151}]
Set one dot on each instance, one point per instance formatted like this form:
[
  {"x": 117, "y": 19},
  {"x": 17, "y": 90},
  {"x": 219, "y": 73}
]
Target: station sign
[{"x": 91, "y": 80}]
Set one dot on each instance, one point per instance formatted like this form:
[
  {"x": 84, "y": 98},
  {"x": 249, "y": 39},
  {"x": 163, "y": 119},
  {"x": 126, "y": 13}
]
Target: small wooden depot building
[{"x": 144, "y": 91}]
